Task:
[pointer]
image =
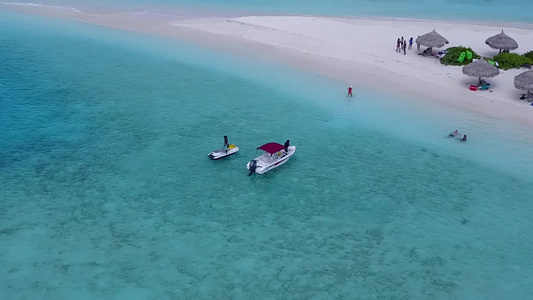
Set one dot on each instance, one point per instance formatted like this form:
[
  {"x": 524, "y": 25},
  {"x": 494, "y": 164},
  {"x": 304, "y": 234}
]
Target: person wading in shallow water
[
  {"x": 350, "y": 88},
  {"x": 454, "y": 133}
]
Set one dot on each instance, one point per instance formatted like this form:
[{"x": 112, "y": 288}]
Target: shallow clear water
[{"x": 107, "y": 191}]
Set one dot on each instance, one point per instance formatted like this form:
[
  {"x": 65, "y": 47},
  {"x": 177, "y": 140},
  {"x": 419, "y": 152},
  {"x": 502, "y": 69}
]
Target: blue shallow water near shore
[
  {"x": 470, "y": 10},
  {"x": 107, "y": 191}
]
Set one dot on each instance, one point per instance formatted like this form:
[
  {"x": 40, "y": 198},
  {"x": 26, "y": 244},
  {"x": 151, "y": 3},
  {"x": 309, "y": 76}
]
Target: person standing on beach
[
  {"x": 410, "y": 43},
  {"x": 404, "y": 46},
  {"x": 417, "y": 45},
  {"x": 398, "y": 45},
  {"x": 350, "y": 91}
]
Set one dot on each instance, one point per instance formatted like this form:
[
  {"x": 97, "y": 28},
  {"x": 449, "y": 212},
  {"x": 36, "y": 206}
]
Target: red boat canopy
[{"x": 272, "y": 147}]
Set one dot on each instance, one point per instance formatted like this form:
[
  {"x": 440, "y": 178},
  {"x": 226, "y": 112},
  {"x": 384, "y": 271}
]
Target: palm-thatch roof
[
  {"x": 524, "y": 81},
  {"x": 502, "y": 41},
  {"x": 432, "y": 39},
  {"x": 480, "y": 68}
]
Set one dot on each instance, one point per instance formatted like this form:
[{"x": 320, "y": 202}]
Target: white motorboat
[
  {"x": 218, "y": 154},
  {"x": 274, "y": 156}
]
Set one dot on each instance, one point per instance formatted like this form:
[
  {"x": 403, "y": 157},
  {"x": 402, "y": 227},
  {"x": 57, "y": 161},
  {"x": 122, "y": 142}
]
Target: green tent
[{"x": 461, "y": 57}]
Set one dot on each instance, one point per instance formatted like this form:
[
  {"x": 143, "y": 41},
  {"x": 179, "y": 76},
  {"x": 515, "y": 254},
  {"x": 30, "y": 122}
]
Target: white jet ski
[{"x": 218, "y": 154}]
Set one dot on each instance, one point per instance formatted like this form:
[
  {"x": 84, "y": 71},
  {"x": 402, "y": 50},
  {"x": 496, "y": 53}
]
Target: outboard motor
[{"x": 253, "y": 166}]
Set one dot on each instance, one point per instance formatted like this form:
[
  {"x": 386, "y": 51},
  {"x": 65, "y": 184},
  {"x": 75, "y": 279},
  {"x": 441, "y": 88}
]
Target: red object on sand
[{"x": 473, "y": 87}]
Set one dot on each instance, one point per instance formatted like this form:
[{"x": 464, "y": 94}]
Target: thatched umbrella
[
  {"x": 502, "y": 41},
  {"x": 524, "y": 81},
  {"x": 432, "y": 39},
  {"x": 480, "y": 68}
]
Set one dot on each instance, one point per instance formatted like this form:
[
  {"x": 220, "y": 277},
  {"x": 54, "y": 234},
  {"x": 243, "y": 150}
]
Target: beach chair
[
  {"x": 527, "y": 97},
  {"x": 483, "y": 85},
  {"x": 427, "y": 52}
]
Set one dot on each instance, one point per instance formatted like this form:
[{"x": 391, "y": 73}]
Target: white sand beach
[
  {"x": 359, "y": 52},
  {"x": 362, "y": 52}
]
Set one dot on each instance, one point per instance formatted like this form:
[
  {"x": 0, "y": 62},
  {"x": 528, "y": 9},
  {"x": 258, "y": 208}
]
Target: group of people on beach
[{"x": 401, "y": 44}]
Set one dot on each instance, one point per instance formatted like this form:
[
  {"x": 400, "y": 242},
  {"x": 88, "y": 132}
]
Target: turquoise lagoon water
[
  {"x": 478, "y": 10},
  {"x": 107, "y": 191}
]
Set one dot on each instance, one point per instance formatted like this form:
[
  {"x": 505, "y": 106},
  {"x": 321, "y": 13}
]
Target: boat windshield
[{"x": 271, "y": 158}]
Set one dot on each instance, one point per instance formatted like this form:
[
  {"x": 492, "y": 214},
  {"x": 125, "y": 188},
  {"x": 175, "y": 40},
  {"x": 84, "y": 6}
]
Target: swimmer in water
[{"x": 454, "y": 133}]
